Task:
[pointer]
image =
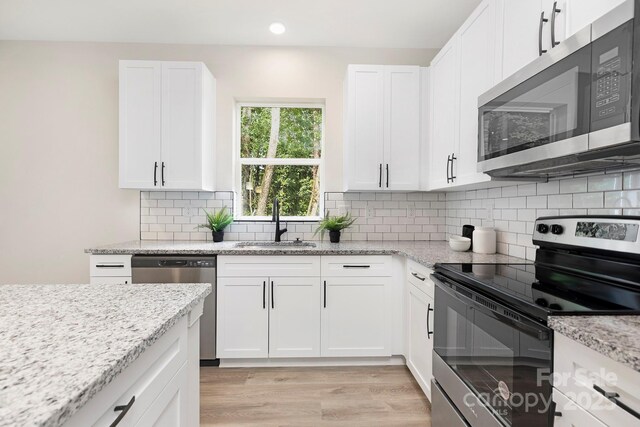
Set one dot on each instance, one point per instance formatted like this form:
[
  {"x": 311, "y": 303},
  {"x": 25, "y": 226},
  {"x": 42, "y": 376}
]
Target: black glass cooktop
[{"x": 542, "y": 291}]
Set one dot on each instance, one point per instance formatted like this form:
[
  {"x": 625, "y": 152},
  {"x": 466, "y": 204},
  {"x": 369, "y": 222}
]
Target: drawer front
[
  {"x": 420, "y": 277},
  {"x": 356, "y": 266},
  {"x": 111, "y": 265},
  {"x": 583, "y": 375},
  {"x": 268, "y": 265},
  {"x": 144, "y": 379},
  {"x": 109, "y": 280},
  {"x": 569, "y": 414}
]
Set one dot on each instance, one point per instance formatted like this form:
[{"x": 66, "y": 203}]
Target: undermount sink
[{"x": 290, "y": 244}]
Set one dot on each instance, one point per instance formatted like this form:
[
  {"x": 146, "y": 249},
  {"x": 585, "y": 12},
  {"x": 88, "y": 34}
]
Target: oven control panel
[{"x": 620, "y": 234}]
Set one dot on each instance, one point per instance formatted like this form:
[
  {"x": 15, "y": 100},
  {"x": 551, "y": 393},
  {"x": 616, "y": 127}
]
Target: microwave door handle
[
  {"x": 554, "y": 12},
  {"x": 524, "y": 325},
  {"x": 542, "y": 22}
]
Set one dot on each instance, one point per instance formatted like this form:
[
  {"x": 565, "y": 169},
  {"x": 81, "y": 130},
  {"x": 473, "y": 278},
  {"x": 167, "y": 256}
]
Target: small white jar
[{"x": 484, "y": 240}]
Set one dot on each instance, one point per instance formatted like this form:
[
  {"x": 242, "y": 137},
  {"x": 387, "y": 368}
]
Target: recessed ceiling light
[{"x": 277, "y": 28}]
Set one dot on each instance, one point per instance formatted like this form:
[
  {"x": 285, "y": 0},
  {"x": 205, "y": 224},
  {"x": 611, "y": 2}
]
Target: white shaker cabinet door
[
  {"x": 581, "y": 13},
  {"x": 477, "y": 41},
  {"x": 140, "y": 124},
  {"x": 356, "y": 317},
  {"x": 444, "y": 114},
  {"x": 519, "y": 33},
  {"x": 420, "y": 337},
  {"x": 294, "y": 318},
  {"x": 364, "y": 127},
  {"x": 402, "y": 128},
  {"x": 170, "y": 407},
  {"x": 243, "y": 318},
  {"x": 181, "y": 125}
]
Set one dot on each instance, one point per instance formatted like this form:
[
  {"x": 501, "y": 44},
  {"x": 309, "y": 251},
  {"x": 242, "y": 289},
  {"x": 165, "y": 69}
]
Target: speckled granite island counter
[
  {"x": 617, "y": 337},
  {"x": 60, "y": 345},
  {"x": 427, "y": 253}
]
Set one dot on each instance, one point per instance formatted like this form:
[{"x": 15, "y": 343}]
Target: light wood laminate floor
[{"x": 333, "y": 396}]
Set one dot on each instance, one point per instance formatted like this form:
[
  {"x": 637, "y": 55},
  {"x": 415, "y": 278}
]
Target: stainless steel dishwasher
[{"x": 184, "y": 269}]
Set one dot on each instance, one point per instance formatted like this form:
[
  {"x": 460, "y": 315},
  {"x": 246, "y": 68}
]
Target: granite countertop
[
  {"x": 617, "y": 337},
  {"x": 61, "y": 344},
  {"x": 427, "y": 253}
]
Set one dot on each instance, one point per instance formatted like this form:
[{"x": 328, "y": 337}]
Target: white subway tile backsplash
[
  {"x": 622, "y": 199},
  {"x": 631, "y": 180},
  {"x": 588, "y": 200},
  {"x": 557, "y": 201},
  {"x": 403, "y": 216},
  {"x": 512, "y": 210},
  {"x": 604, "y": 182},
  {"x": 573, "y": 185}
]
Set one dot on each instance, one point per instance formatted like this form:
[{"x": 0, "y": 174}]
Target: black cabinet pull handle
[
  {"x": 429, "y": 332},
  {"x": 273, "y": 304},
  {"x": 448, "y": 163},
  {"x": 355, "y": 266},
  {"x": 380, "y": 177},
  {"x": 417, "y": 276},
  {"x": 542, "y": 21},
  {"x": 123, "y": 409},
  {"x": 613, "y": 397},
  {"x": 264, "y": 294},
  {"x": 453, "y": 157},
  {"x": 109, "y": 265},
  {"x": 387, "y": 175},
  {"x": 325, "y": 294},
  {"x": 554, "y": 12},
  {"x": 155, "y": 173},
  {"x": 163, "y": 174}
]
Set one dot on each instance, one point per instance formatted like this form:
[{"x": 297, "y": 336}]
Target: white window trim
[{"x": 238, "y": 161}]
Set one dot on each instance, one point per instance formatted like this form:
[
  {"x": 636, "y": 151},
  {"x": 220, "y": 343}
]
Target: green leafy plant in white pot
[
  {"x": 217, "y": 222},
  {"x": 334, "y": 225}
]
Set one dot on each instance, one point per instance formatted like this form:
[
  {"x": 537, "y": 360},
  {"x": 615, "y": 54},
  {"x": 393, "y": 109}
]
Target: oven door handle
[{"x": 520, "y": 323}]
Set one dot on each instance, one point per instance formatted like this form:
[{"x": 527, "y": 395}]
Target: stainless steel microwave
[{"x": 573, "y": 110}]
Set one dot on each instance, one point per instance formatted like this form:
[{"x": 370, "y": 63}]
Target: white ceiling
[{"x": 356, "y": 23}]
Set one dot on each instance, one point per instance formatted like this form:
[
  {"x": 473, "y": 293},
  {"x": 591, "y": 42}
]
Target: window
[{"x": 280, "y": 155}]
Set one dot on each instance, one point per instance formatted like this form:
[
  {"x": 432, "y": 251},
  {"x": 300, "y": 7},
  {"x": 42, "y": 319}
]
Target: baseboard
[{"x": 312, "y": 361}]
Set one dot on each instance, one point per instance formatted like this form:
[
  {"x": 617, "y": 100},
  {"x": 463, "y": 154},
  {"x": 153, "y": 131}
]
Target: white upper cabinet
[
  {"x": 520, "y": 33},
  {"x": 477, "y": 42},
  {"x": 140, "y": 122},
  {"x": 581, "y": 13},
  {"x": 530, "y": 28},
  {"x": 382, "y": 128},
  {"x": 167, "y": 126},
  {"x": 444, "y": 117},
  {"x": 402, "y": 128}
]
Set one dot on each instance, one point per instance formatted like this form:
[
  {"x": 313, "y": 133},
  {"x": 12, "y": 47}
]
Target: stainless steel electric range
[{"x": 493, "y": 350}]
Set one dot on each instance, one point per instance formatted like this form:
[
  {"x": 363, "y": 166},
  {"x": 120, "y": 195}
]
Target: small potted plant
[
  {"x": 334, "y": 225},
  {"x": 217, "y": 222}
]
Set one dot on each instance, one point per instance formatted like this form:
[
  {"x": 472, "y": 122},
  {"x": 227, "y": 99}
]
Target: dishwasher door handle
[{"x": 173, "y": 263}]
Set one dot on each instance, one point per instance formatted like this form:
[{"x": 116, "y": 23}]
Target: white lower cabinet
[
  {"x": 169, "y": 408},
  {"x": 294, "y": 317},
  {"x": 243, "y": 318},
  {"x": 156, "y": 389},
  {"x": 569, "y": 414},
  {"x": 268, "y": 307},
  {"x": 420, "y": 345},
  {"x": 356, "y": 318},
  {"x": 419, "y": 316},
  {"x": 598, "y": 386}
]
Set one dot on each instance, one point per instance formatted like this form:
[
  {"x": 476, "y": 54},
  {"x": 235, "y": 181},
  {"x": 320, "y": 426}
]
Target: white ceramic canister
[{"x": 484, "y": 240}]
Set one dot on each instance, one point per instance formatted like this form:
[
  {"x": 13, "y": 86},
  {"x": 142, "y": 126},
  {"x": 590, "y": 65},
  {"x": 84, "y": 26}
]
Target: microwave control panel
[
  {"x": 611, "y": 78},
  {"x": 608, "y": 83}
]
